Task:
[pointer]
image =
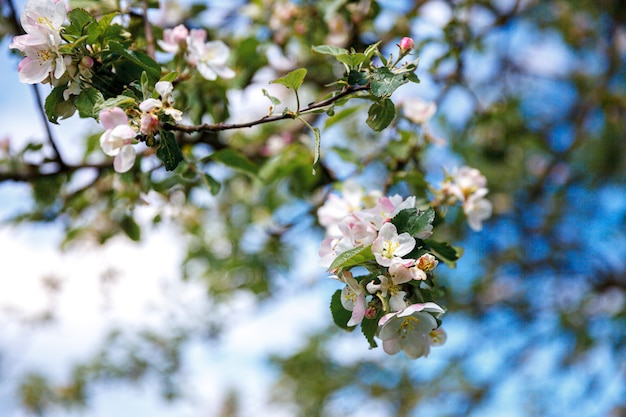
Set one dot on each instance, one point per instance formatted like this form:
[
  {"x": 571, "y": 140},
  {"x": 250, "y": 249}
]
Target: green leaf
[
  {"x": 170, "y": 76},
  {"x": 89, "y": 103},
  {"x": 119, "y": 101},
  {"x": 381, "y": 114},
  {"x": 352, "y": 60},
  {"x": 445, "y": 252},
  {"x": 369, "y": 328},
  {"x": 341, "y": 115},
  {"x": 293, "y": 79},
  {"x": 385, "y": 82},
  {"x": 412, "y": 222},
  {"x": 371, "y": 50},
  {"x": 212, "y": 183},
  {"x": 274, "y": 100},
  {"x": 316, "y": 155},
  {"x": 169, "y": 152},
  {"x": 352, "y": 257},
  {"x": 79, "y": 19},
  {"x": 329, "y": 50},
  {"x": 140, "y": 62},
  {"x": 341, "y": 316},
  {"x": 56, "y": 106},
  {"x": 131, "y": 228},
  {"x": 357, "y": 78},
  {"x": 236, "y": 160}
]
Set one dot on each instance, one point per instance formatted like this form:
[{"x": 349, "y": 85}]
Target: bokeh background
[{"x": 203, "y": 305}]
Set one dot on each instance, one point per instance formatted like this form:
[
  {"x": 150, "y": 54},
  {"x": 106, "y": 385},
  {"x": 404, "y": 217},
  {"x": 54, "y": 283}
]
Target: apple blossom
[
  {"x": 477, "y": 209},
  {"x": 419, "y": 111},
  {"x": 409, "y": 330},
  {"x": 210, "y": 57},
  {"x": 389, "y": 287},
  {"x": 174, "y": 39},
  {"x": 352, "y": 298},
  {"x": 118, "y": 138},
  {"x": 389, "y": 244}
]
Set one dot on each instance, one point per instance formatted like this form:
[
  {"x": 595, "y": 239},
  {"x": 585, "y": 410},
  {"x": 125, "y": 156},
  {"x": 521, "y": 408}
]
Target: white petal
[{"x": 125, "y": 159}]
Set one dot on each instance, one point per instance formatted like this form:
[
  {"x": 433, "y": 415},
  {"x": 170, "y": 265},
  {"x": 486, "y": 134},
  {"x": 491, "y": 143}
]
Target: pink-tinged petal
[
  {"x": 358, "y": 312},
  {"x": 113, "y": 117},
  {"x": 391, "y": 346},
  {"x": 125, "y": 159},
  {"x": 31, "y": 71},
  {"x": 384, "y": 319}
]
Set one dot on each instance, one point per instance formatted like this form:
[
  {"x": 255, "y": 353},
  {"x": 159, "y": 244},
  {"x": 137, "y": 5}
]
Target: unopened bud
[
  {"x": 406, "y": 45},
  {"x": 86, "y": 62},
  {"x": 370, "y": 312}
]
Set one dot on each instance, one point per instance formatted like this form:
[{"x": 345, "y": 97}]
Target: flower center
[
  {"x": 409, "y": 323},
  {"x": 389, "y": 248}
]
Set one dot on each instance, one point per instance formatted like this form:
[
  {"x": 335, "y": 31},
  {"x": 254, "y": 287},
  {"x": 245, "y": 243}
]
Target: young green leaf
[
  {"x": 412, "y": 222},
  {"x": 169, "y": 152},
  {"x": 369, "y": 328},
  {"x": 381, "y": 114},
  {"x": 88, "y": 102},
  {"x": 445, "y": 252},
  {"x": 235, "y": 160},
  {"x": 213, "y": 185},
  {"x": 385, "y": 82},
  {"x": 293, "y": 79},
  {"x": 352, "y": 257},
  {"x": 329, "y": 50}
]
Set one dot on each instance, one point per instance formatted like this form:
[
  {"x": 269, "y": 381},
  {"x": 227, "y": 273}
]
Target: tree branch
[{"x": 266, "y": 119}]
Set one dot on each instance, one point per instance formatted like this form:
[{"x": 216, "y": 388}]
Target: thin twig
[
  {"x": 266, "y": 119},
  {"x": 150, "y": 49}
]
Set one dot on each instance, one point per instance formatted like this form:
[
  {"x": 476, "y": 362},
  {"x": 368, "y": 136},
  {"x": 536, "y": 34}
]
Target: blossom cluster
[
  {"x": 42, "y": 21},
  {"x": 468, "y": 187},
  {"x": 387, "y": 237},
  {"x": 208, "y": 57},
  {"x": 93, "y": 69},
  {"x": 121, "y": 132}
]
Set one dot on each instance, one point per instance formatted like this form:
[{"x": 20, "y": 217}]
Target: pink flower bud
[
  {"x": 407, "y": 44},
  {"x": 86, "y": 62},
  {"x": 370, "y": 312}
]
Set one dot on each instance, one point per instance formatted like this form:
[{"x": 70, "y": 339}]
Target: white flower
[
  {"x": 419, "y": 111},
  {"x": 44, "y": 16},
  {"x": 151, "y": 106},
  {"x": 174, "y": 39},
  {"x": 118, "y": 138},
  {"x": 352, "y": 298},
  {"x": 389, "y": 244},
  {"x": 42, "y": 20},
  {"x": 409, "y": 330},
  {"x": 389, "y": 287},
  {"x": 405, "y": 270},
  {"x": 210, "y": 57},
  {"x": 477, "y": 209},
  {"x": 42, "y": 57}
]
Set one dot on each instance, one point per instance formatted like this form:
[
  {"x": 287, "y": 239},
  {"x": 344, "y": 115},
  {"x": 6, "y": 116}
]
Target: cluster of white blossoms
[
  {"x": 468, "y": 187},
  {"x": 42, "y": 21},
  {"x": 397, "y": 268},
  {"x": 208, "y": 57},
  {"x": 122, "y": 131}
]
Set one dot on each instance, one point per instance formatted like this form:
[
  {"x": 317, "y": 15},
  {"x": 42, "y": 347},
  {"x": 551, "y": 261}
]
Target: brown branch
[
  {"x": 150, "y": 49},
  {"x": 266, "y": 119}
]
